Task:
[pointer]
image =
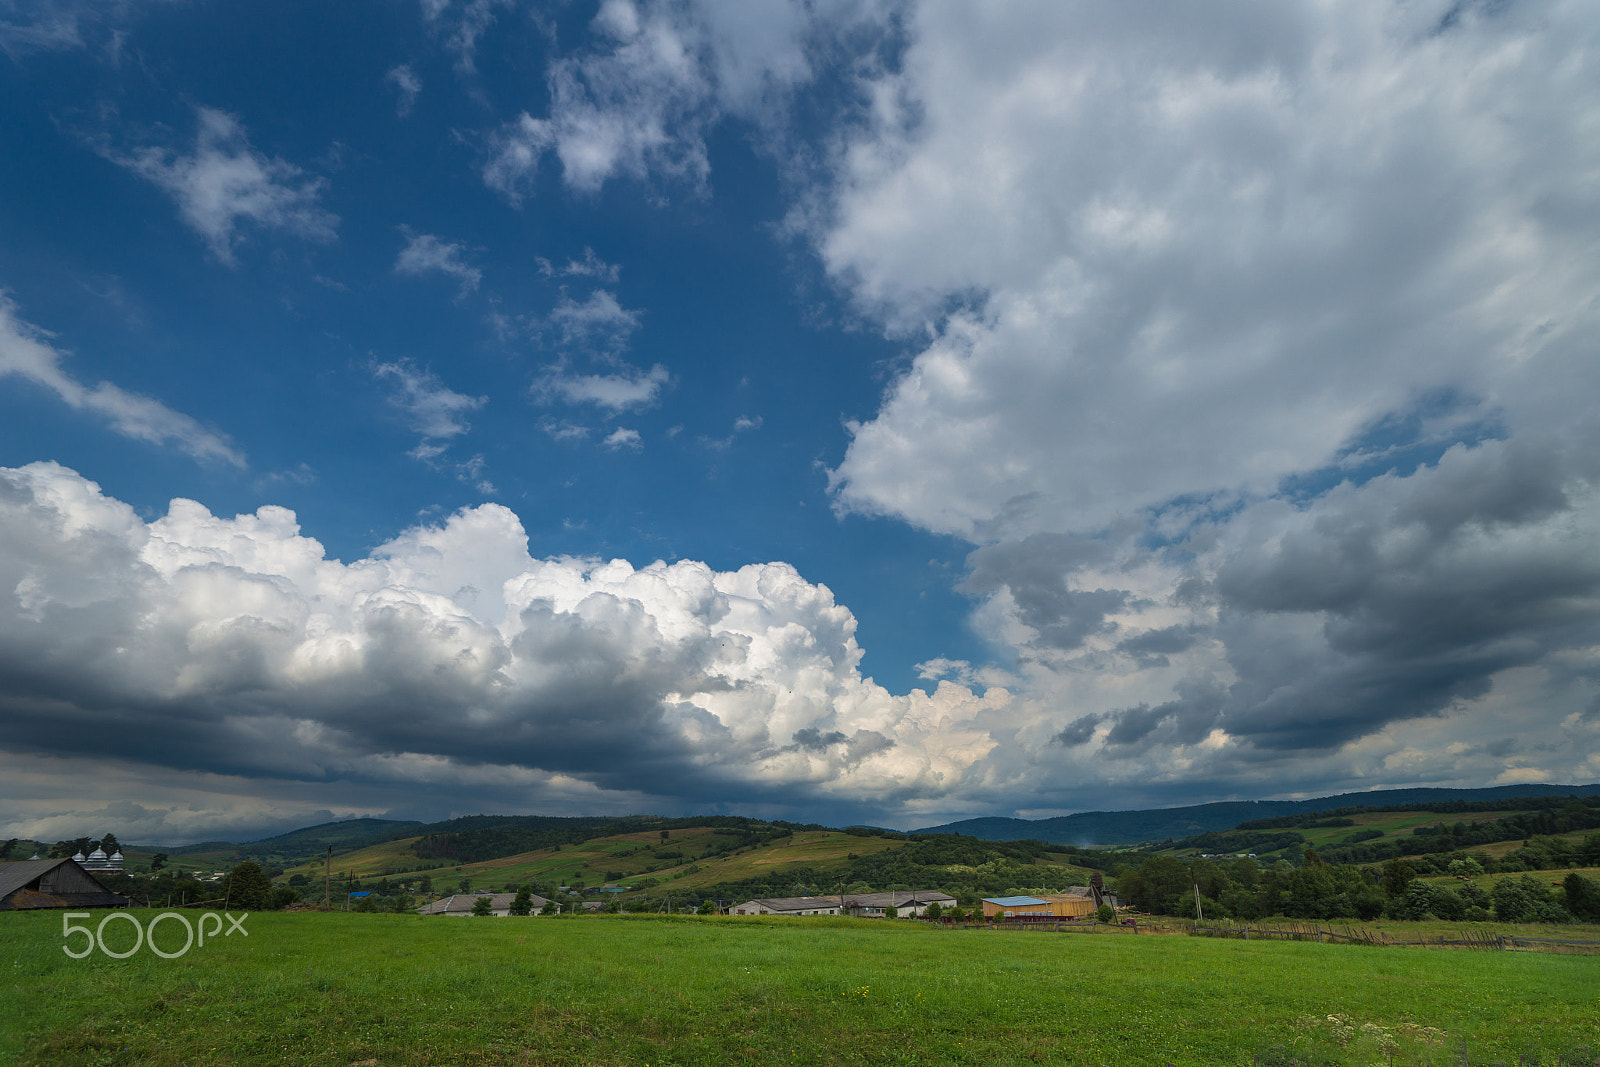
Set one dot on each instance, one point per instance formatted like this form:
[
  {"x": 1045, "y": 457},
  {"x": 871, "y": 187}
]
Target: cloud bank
[{"x": 449, "y": 660}]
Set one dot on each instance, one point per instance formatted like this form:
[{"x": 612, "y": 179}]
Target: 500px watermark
[{"x": 146, "y": 935}]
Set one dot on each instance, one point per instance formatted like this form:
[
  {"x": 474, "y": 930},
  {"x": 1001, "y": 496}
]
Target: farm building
[
  {"x": 462, "y": 904},
  {"x": 53, "y": 884},
  {"x": 1009, "y": 907},
  {"x": 1069, "y": 905},
  {"x": 788, "y": 906},
  {"x": 872, "y": 905}
]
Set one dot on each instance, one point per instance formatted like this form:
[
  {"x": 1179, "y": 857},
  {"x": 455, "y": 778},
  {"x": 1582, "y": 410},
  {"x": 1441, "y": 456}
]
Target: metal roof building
[
  {"x": 787, "y": 906},
  {"x": 462, "y": 904}
]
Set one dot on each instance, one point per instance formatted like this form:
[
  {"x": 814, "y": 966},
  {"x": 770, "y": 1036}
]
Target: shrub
[
  {"x": 1514, "y": 898},
  {"x": 1105, "y": 913},
  {"x": 934, "y": 911}
]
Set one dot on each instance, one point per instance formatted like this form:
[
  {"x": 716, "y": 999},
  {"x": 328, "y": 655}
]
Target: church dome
[
  {"x": 98, "y": 854},
  {"x": 78, "y": 857}
]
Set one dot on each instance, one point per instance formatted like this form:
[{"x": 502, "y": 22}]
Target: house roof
[
  {"x": 462, "y": 903},
  {"x": 798, "y": 903},
  {"x": 1014, "y": 902}
]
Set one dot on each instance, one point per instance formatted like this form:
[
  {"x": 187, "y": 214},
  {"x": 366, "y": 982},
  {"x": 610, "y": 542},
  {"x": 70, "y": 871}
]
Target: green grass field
[{"x": 341, "y": 989}]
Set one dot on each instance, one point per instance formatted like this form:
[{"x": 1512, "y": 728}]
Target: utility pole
[
  {"x": 1200, "y": 916},
  {"x": 327, "y": 878}
]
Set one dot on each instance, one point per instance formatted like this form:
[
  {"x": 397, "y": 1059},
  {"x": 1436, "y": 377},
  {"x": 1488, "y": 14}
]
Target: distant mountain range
[
  {"x": 513, "y": 833},
  {"x": 1089, "y": 829}
]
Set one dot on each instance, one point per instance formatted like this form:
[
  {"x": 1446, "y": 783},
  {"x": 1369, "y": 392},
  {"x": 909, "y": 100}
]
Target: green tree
[
  {"x": 707, "y": 907},
  {"x": 427, "y": 885},
  {"x": 1397, "y": 877},
  {"x": 158, "y": 861},
  {"x": 934, "y": 911},
  {"x": 5, "y": 850},
  {"x": 1105, "y": 913},
  {"x": 891, "y": 912},
  {"x": 483, "y": 906},
  {"x": 523, "y": 905},
  {"x": 1583, "y": 897},
  {"x": 246, "y": 887},
  {"x": 550, "y": 908}
]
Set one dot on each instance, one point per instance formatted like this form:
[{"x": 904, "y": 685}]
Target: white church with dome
[{"x": 99, "y": 861}]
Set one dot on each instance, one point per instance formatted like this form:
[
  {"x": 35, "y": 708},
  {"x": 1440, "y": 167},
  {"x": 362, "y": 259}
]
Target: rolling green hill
[{"x": 1115, "y": 828}]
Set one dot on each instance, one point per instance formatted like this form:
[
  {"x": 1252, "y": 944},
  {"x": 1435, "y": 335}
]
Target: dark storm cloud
[
  {"x": 1152, "y": 647},
  {"x": 1395, "y": 599},
  {"x": 1036, "y": 570},
  {"x": 817, "y": 740}
]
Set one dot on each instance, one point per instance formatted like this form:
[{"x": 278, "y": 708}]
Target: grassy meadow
[{"x": 346, "y": 989}]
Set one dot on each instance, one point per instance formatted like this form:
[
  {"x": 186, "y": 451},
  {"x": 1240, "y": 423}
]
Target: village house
[
  {"x": 61, "y": 883},
  {"x": 463, "y": 903}
]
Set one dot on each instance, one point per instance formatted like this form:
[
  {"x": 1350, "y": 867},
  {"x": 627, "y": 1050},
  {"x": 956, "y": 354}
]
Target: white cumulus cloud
[{"x": 450, "y": 658}]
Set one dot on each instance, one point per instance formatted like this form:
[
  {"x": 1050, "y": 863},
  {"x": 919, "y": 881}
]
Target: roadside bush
[
  {"x": 1424, "y": 899},
  {"x": 1524, "y": 899}
]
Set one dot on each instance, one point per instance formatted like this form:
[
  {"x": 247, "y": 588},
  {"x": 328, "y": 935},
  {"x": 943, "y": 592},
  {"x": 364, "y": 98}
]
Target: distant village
[{"x": 73, "y": 882}]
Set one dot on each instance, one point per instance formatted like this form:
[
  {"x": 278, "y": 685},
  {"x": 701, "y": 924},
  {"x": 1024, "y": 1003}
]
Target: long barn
[{"x": 27, "y": 884}]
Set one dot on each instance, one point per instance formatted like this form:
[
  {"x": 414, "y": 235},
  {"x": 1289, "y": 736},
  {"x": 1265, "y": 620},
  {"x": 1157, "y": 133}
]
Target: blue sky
[{"x": 1031, "y": 409}]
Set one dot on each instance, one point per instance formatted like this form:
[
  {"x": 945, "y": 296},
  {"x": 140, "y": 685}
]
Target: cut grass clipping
[{"x": 342, "y": 989}]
